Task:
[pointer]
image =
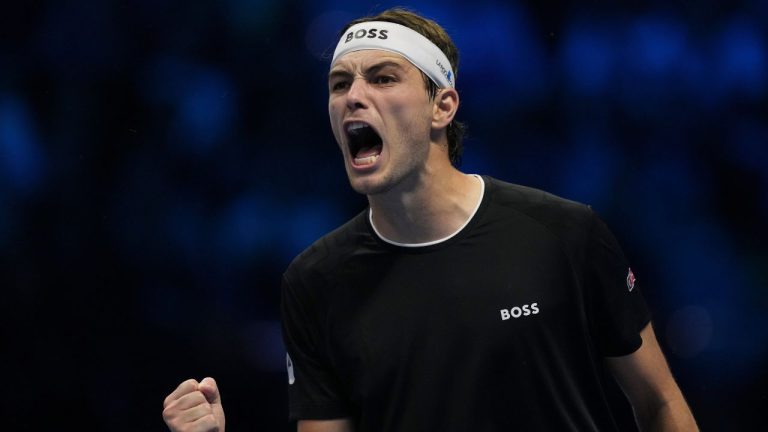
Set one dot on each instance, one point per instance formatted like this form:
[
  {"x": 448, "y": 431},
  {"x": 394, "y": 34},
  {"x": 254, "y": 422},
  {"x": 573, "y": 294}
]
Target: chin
[
  {"x": 366, "y": 187},
  {"x": 370, "y": 184}
]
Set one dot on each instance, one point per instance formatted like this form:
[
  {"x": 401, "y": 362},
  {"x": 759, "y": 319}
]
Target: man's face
[{"x": 381, "y": 117}]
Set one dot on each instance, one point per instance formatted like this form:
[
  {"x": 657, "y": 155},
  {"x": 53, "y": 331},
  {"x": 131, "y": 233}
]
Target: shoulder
[
  {"x": 329, "y": 251},
  {"x": 561, "y": 216},
  {"x": 578, "y": 228}
]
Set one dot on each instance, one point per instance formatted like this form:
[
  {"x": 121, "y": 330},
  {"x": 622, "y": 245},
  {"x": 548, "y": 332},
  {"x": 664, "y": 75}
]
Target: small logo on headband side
[
  {"x": 447, "y": 73},
  {"x": 369, "y": 34}
]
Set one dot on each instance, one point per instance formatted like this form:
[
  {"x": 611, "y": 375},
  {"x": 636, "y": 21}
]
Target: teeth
[
  {"x": 366, "y": 160},
  {"x": 355, "y": 126}
]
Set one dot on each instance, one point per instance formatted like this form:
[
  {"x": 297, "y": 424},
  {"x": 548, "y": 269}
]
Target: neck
[{"x": 429, "y": 207}]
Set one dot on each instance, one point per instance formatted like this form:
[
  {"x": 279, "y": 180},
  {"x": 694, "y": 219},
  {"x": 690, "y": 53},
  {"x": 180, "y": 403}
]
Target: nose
[{"x": 357, "y": 95}]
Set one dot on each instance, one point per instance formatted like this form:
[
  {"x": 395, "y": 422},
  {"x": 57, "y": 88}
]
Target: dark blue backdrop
[{"x": 162, "y": 161}]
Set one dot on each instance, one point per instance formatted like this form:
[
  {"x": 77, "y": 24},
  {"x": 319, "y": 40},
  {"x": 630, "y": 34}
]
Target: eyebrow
[{"x": 371, "y": 70}]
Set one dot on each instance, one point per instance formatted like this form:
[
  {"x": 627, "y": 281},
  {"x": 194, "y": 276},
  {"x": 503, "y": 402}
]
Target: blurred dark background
[{"x": 161, "y": 162}]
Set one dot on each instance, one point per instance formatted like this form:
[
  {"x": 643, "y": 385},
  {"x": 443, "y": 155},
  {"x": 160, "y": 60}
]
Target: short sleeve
[
  {"x": 314, "y": 391},
  {"x": 619, "y": 311}
]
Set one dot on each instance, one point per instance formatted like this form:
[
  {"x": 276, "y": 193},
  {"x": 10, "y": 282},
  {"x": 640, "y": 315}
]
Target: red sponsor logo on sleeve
[{"x": 630, "y": 280}]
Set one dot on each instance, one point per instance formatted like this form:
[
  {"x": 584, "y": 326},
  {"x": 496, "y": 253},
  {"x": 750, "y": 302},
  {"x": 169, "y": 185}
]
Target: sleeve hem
[{"x": 630, "y": 348}]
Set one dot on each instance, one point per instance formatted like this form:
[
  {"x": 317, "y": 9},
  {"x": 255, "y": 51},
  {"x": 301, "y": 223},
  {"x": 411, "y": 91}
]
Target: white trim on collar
[{"x": 434, "y": 242}]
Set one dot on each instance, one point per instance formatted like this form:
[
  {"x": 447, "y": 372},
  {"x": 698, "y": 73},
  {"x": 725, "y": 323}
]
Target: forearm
[
  {"x": 657, "y": 400},
  {"x": 671, "y": 416},
  {"x": 337, "y": 425}
]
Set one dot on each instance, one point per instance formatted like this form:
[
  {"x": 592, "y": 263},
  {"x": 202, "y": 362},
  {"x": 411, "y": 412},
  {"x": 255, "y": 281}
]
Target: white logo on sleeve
[
  {"x": 518, "y": 311},
  {"x": 291, "y": 378}
]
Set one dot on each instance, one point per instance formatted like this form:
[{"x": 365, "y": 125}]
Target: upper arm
[
  {"x": 315, "y": 390},
  {"x": 645, "y": 378},
  {"x": 644, "y": 373},
  {"x": 336, "y": 425}
]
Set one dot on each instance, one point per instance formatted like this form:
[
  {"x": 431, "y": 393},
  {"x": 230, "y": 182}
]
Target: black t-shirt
[{"x": 503, "y": 326}]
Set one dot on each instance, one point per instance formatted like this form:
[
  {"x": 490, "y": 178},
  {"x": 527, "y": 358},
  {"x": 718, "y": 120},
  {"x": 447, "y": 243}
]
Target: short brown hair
[{"x": 438, "y": 36}]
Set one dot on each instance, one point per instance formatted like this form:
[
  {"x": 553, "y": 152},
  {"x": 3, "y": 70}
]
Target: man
[{"x": 454, "y": 302}]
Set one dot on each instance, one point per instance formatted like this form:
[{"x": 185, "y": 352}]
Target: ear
[{"x": 445, "y": 107}]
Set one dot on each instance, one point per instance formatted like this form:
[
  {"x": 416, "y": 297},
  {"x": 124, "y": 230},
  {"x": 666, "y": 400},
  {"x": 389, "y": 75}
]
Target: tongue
[{"x": 365, "y": 152}]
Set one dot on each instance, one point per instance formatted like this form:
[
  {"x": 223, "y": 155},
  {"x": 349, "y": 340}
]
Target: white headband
[{"x": 399, "y": 39}]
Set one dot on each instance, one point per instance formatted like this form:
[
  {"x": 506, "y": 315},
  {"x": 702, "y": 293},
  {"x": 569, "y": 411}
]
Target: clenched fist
[{"x": 194, "y": 407}]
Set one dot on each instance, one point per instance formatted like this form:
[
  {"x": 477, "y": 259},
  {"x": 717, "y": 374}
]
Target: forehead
[{"x": 363, "y": 59}]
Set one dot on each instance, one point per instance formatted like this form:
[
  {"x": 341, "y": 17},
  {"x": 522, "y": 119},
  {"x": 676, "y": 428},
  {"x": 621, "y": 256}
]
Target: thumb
[{"x": 210, "y": 390}]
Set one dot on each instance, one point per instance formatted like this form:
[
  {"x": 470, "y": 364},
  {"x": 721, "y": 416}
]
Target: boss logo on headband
[{"x": 363, "y": 33}]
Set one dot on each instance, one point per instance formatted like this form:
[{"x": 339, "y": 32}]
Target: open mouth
[{"x": 364, "y": 143}]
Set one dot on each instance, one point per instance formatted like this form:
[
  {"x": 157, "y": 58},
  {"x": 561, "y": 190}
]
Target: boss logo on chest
[{"x": 519, "y": 311}]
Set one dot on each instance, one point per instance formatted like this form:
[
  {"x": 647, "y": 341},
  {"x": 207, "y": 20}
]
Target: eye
[
  {"x": 384, "y": 79},
  {"x": 339, "y": 85}
]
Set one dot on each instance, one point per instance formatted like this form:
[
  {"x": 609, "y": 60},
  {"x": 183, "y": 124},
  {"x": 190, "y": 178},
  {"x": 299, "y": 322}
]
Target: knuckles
[
  {"x": 178, "y": 407},
  {"x": 184, "y": 388},
  {"x": 190, "y": 401}
]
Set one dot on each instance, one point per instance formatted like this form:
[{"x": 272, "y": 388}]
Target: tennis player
[{"x": 454, "y": 302}]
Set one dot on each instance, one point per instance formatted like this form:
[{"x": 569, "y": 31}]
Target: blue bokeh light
[
  {"x": 656, "y": 45},
  {"x": 589, "y": 168},
  {"x": 205, "y": 113},
  {"x": 505, "y": 65},
  {"x": 248, "y": 227},
  {"x": 203, "y": 99},
  {"x": 741, "y": 57},
  {"x": 589, "y": 57},
  {"x": 21, "y": 157}
]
